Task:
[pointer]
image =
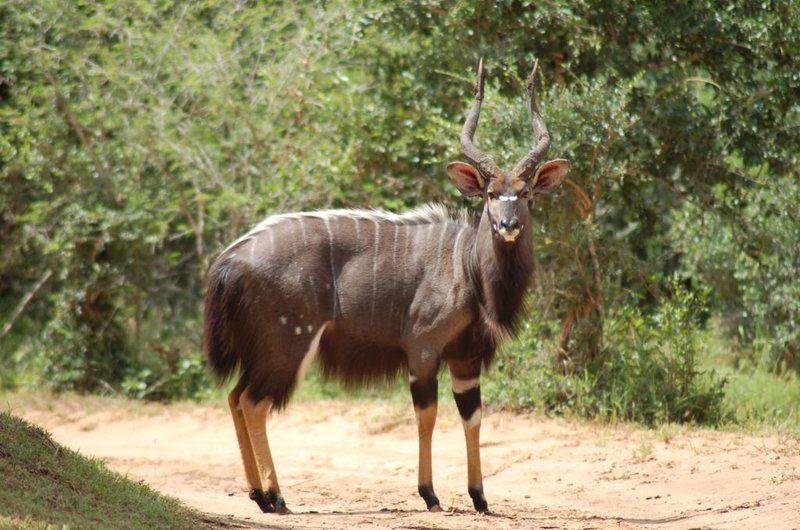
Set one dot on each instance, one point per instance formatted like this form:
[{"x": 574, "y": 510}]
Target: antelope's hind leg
[
  {"x": 266, "y": 492},
  {"x": 246, "y": 448}
]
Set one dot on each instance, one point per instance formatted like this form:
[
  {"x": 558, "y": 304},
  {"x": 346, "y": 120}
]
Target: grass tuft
[{"x": 46, "y": 484}]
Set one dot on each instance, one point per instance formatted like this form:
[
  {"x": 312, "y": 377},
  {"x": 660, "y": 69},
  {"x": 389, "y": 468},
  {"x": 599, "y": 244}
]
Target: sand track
[{"x": 353, "y": 465}]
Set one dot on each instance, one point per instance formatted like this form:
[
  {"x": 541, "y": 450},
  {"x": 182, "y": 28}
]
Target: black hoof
[
  {"x": 258, "y": 497},
  {"x": 478, "y": 500},
  {"x": 427, "y": 494},
  {"x": 279, "y": 503},
  {"x": 271, "y": 502}
]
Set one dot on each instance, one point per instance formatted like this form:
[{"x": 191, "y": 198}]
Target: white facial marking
[
  {"x": 462, "y": 385},
  {"x": 506, "y": 198},
  {"x": 473, "y": 420},
  {"x": 297, "y": 330},
  {"x": 283, "y": 320}
]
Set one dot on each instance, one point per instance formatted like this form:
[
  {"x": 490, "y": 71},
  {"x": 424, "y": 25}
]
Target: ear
[
  {"x": 549, "y": 176},
  {"x": 466, "y": 178}
]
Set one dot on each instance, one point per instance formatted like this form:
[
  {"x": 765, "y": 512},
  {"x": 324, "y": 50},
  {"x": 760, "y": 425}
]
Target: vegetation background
[{"x": 138, "y": 137}]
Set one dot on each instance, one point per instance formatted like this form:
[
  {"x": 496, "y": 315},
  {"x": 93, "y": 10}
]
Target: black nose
[{"x": 510, "y": 224}]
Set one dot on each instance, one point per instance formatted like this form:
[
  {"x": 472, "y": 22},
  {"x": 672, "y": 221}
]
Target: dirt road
[{"x": 353, "y": 465}]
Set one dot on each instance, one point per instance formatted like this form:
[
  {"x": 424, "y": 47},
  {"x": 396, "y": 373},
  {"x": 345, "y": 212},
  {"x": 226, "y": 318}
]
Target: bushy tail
[{"x": 222, "y": 298}]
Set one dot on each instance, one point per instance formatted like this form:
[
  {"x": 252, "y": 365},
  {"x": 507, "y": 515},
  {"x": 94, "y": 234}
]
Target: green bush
[
  {"x": 184, "y": 377},
  {"x": 747, "y": 251},
  {"x": 138, "y": 138},
  {"x": 648, "y": 370}
]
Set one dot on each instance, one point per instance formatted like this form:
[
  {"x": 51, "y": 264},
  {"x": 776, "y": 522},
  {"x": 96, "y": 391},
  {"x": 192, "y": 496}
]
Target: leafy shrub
[
  {"x": 185, "y": 378},
  {"x": 648, "y": 371},
  {"x": 747, "y": 251}
]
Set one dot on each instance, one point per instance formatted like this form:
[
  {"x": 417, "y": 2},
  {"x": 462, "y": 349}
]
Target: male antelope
[{"x": 371, "y": 293}]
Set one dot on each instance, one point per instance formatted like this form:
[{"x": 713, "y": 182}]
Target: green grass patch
[
  {"x": 757, "y": 398},
  {"x": 46, "y": 484}
]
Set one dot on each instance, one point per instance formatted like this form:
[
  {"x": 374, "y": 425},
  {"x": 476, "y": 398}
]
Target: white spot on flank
[
  {"x": 412, "y": 379},
  {"x": 297, "y": 330},
  {"x": 473, "y": 420},
  {"x": 462, "y": 385},
  {"x": 310, "y": 328},
  {"x": 283, "y": 320}
]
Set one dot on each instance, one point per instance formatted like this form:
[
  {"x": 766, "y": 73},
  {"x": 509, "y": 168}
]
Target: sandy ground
[{"x": 353, "y": 465}]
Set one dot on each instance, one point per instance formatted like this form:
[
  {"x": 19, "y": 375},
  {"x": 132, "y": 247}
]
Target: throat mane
[{"x": 504, "y": 276}]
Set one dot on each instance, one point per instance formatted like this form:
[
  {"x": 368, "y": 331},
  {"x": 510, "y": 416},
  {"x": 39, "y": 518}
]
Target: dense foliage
[{"x": 138, "y": 137}]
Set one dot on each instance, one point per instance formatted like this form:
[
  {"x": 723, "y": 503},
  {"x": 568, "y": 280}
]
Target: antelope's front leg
[
  {"x": 424, "y": 393},
  {"x": 467, "y": 392}
]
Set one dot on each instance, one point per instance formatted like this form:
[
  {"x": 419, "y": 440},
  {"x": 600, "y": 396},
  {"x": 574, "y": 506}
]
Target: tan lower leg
[
  {"x": 245, "y": 447},
  {"x": 473, "y": 436},
  {"x": 426, "y": 420},
  {"x": 255, "y": 417},
  {"x": 472, "y": 433}
]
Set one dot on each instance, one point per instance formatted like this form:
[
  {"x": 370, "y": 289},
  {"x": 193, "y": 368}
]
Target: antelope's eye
[
  {"x": 525, "y": 194},
  {"x": 492, "y": 194}
]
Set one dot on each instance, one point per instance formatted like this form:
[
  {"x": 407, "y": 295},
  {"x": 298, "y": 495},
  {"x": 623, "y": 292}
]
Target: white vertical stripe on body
[
  {"x": 333, "y": 267},
  {"x": 303, "y": 231},
  {"x": 457, "y": 268},
  {"x": 394, "y": 269},
  {"x": 375, "y": 270},
  {"x": 271, "y": 243}
]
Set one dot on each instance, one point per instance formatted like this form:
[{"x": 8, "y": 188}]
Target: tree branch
[{"x": 24, "y": 303}]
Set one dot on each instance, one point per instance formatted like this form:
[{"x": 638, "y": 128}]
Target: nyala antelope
[{"x": 371, "y": 294}]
